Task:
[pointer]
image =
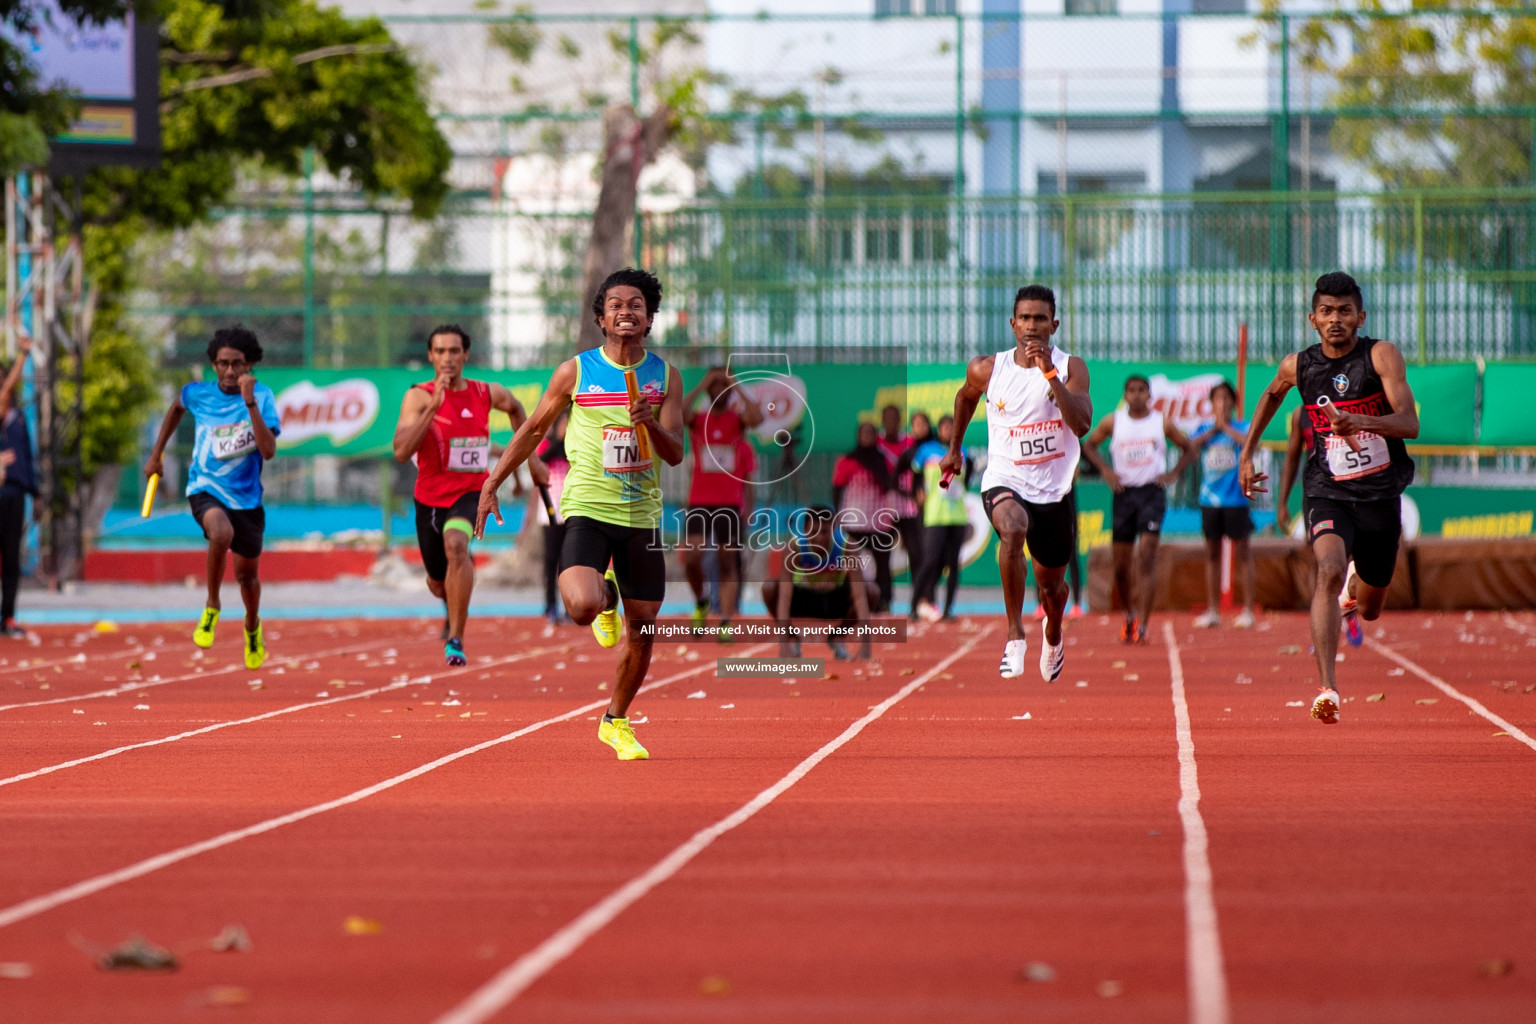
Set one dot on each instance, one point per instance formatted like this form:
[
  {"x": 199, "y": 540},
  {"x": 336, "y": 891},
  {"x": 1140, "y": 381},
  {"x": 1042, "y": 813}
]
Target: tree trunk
[{"x": 629, "y": 143}]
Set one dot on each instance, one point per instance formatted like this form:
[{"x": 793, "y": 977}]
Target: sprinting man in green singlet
[{"x": 612, "y": 497}]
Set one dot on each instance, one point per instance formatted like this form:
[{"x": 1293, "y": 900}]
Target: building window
[
  {"x": 889, "y": 8},
  {"x": 1093, "y": 6}
]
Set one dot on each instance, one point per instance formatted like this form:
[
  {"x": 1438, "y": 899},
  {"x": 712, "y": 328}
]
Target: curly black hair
[
  {"x": 241, "y": 339},
  {"x": 1337, "y": 285},
  {"x": 649, "y": 287},
  {"x": 1036, "y": 293},
  {"x": 448, "y": 329}
]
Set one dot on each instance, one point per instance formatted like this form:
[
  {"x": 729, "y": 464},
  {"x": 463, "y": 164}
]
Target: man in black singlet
[{"x": 1355, "y": 397}]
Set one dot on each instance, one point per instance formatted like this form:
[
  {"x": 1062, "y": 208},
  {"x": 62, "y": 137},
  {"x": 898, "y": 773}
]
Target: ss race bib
[
  {"x": 1345, "y": 464},
  {"x": 1033, "y": 443},
  {"x": 621, "y": 451},
  {"x": 232, "y": 440},
  {"x": 469, "y": 454}
]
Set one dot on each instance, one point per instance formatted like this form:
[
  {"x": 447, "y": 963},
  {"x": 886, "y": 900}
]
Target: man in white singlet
[
  {"x": 1037, "y": 408},
  {"x": 1138, "y": 436}
]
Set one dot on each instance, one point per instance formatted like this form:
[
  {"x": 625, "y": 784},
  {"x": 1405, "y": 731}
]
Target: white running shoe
[
  {"x": 1325, "y": 708},
  {"x": 1244, "y": 620},
  {"x": 928, "y": 612},
  {"x": 1210, "y": 620},
  {"x": 1052, "y": 659},
  {"x": 1012, "y": 665}
]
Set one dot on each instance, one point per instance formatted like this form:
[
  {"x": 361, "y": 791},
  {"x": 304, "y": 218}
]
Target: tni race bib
[
  {"x": 621, "y": 451},
  {"x": 1345, "y": 464},
  {"x": 469, "y": 454},
  {"x": 233, "y": 440},
  {"x": 1037, "y": 442}
]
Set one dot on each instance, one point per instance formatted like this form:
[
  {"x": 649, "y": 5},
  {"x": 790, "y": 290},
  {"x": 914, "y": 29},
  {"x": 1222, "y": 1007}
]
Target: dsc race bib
[
  {"x": 469, "y": 454},
  {"x": 1344, "y": 464},
  {"x": 621, "y": 451},
  {"x": 1037, "y": 442},
  {"x": 232, "y": 440}
]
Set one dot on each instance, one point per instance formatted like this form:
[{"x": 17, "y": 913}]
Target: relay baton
[
  {"x": 945, "y": 479},
  {"x": 634, "y": 396},
  {"x": 1326, "y": 404},
  {"x": 149, "y": 496},
  {"x": 549, "y": 504}
]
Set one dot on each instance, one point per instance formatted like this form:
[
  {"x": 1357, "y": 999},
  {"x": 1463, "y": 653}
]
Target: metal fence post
[
  {"x": 309, "y": 256},
  {"x": 1420, "y": 318}
]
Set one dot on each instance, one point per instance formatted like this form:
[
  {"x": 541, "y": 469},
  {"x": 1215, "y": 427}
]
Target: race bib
[
  {"x": 1139, "y": 453},
  {"x": 719, "y": 458},
  {"x": 1345, "y": 464},
  {"x": 1034, "y": 443},
  {"x": 621, "y": 451},
  {"x": 233, "y": 440},
  {"x": 469, "y": 454},
  {"x": 1219, "y": 459}
]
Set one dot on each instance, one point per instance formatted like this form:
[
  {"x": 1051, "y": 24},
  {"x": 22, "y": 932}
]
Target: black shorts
[
  {"x": 1052, "y": 531},
  {"x": 430, "y": 521},
  {"x": 250, "y": 523},
  {"x": 636, "y": 552},
  {"x": 1138, "y": 510},
  {"x": 1232, "y": 523},
  {"x": 835, "y": 604},
  {"x": 1370, "y": 531},
  {"x": 719, "y": 525}
]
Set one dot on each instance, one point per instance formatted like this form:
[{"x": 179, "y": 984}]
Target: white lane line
[
  {"x": 514, "y": 979},
  {"x": 134, "y": 687},
  {"x": 48, "y": 901},
  {"x": 420, "y": 681},
  {"x": 126, "y": 652},
  {"x": 1451, "y": 691},
  {"x": 1209, "y": 1002}
]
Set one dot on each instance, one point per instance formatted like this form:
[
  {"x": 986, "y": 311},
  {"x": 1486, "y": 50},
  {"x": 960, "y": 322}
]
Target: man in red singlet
[
  {"x": 722, "y": 467},
  {"x": 446, "y": 425}
]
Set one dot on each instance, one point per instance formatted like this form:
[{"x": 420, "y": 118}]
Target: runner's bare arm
[
  {"x": 1187, "y": 450},
  {"x": 1289, "y": 471},
  {"x": 1403, "y": 421},
  {"x": 1269, "y": 402},
  {"x": 154, "y": 463},
  {"x": 1098, "y": 436},
  {"x": 266, "y": 441},
  {"x": 750, "y": 411},
  {"x": 978, "y": 372},
  {"x": 555, "y": 400},
  {"x": 1072, "y": 397},
  {"x": 503, "y": 400},
  {"x": 691, "y": 399},
  {"x": 416, "y": 411},
  {"x": 666, "y": 433}
]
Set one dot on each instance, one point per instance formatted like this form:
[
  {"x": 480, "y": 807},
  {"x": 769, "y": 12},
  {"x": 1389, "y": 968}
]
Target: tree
[
  {"x": 247, "y": 84},
  {"x": 29, "y": 113},
  {"x": 1439, "y": 96}
]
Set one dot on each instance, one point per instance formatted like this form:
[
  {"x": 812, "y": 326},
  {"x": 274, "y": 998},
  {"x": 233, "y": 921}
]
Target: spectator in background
[
  {"x": 552, "y": 451},
  {"x": 861, "y": 486},
  {"x": 897, "y": 448},
  {"x": 16, "y": 469},
  {"x": 945, "y": 523},
  {"x": 1223, "y": 506},
  {"x": 723, "y": 462}
]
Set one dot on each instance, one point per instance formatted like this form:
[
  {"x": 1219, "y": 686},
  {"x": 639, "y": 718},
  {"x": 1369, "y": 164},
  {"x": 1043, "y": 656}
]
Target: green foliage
[
  {"x": 518, "y": 35},
  {"x": 1439, "y": 96},
  {"x": 246, "y": 88}
]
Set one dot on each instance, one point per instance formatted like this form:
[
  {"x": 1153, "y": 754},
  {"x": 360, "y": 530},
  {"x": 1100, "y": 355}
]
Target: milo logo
[{"x": 340, "y": 411}]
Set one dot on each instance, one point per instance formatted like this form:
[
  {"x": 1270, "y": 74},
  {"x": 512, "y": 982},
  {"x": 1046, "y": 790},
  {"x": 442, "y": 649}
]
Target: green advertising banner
[
  {"x": 1508, "y": 417},
  {"x": 353, "y": 412}
]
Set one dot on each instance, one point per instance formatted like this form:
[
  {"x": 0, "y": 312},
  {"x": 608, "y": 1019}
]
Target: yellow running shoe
[
  {"x": 620, "y": 735},
  {"x": 609, "y": 624},
  {"x": 255, "y": 648},
  {"x": 203, "y": 634}
]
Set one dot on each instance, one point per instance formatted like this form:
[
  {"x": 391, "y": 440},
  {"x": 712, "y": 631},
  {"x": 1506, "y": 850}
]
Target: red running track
[{"x": 894, "y": 844}]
